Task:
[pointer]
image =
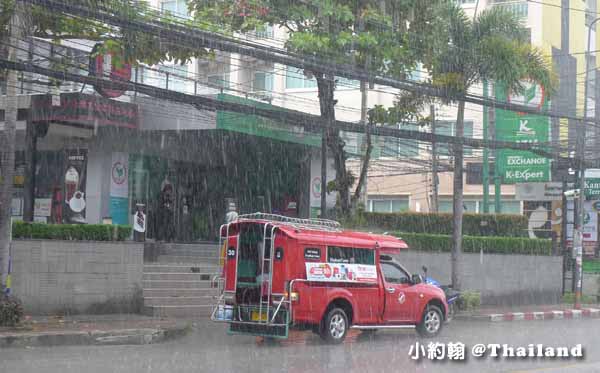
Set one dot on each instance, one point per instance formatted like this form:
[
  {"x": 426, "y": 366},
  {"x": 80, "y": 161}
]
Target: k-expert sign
[{"x": 518, "y": 166}]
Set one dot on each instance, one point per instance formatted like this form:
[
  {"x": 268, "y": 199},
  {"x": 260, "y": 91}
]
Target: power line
[
  {"x": 283, "y": 115},
  {"x": 196, "y": 38}
]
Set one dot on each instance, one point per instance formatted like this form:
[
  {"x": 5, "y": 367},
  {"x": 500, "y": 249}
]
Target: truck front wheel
[
  {"x": 334, "y": 326},
  {"x": 431, "y": 322}
]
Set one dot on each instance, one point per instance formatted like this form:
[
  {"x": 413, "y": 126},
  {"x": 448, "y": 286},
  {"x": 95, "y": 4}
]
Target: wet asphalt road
[{"x": 210, "y": 349}]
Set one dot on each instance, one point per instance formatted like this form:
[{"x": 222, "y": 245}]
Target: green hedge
[
  {"x": 474, "y": 244},
  {"x": 84, "y": 232},
  {"x": 441, "y": 223}
]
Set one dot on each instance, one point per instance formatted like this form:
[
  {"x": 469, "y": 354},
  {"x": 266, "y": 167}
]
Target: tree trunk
[
  {"x": 326, "y": 87},
  {"x": 458, "y": 209},
  {"x": 31, "y": 161},
  {"x": 8, "y": 148}
]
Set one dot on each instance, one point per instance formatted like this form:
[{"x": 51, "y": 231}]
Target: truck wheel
[
  {"x": 431, "y": 322},
  {"x": 335, "y": 326}
]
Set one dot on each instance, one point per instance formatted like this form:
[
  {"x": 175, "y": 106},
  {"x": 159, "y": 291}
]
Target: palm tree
[{"x": 492, "y": 47}]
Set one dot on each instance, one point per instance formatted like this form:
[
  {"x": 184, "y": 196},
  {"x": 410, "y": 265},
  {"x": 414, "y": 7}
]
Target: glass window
[
  {"x": 399, "y": 205},
  {"x": 394, "y": 274},
  {"x": 295, "y": 78},
  {"x": 219, "y": 80},
  {"x": 265, "y": 32},
  {"x": 347, "y": 83},
  {"x": 443, "y": 128},
  {"x": 447, "y": 128},
  {"x": 263, "y": 81},
  {"x": 393, "y": 147},
  {"x": 388, "y": 205},
  {"x": 177, "y": 7},
  {"x": 380, "y": 206},
  {"x": 409, "y": 147},
  {"x": 417, "y": 74},
  {"x": 176, "y": 75},
  {"x": 337, "y": 254},
  {"x": 470, "y": 206},
  {"x": 508, "y": 207},
  {"x": 446, "y": 206}
]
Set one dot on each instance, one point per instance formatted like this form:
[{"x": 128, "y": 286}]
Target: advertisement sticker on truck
[
  {"x": 311, "y": 253},
  {"x": 341, "y": 272}
]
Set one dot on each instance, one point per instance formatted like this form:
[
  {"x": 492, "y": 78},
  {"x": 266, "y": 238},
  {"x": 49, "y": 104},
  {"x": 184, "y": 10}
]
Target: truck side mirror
[{"x": 416, "y": 279}]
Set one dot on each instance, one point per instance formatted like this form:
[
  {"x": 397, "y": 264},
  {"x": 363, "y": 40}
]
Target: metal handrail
[{"x": 314, "y": 224}]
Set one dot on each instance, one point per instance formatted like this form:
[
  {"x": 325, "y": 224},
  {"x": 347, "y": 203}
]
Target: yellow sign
[{"x": 256, "y": 316}]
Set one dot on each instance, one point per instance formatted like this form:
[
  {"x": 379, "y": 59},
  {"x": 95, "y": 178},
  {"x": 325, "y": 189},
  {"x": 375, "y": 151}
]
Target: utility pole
[
  {"x": 486, "y": 155},
  {"x": 434, "y": 163},
  {"x": 364, "y": 95},
  {"x": 8, "y": 138},
  {"x": 579, "y": 219}
]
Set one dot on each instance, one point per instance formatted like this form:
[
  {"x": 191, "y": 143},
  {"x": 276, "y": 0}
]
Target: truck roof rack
[{"x": 313, "y": 224}]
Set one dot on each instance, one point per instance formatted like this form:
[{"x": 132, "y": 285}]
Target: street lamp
[{"x": 578, "y": 234}]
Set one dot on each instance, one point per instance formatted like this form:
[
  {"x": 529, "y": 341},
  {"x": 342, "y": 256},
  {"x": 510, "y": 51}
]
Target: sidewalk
[
  {"x": 92, "y": 330},
  {"x": 530, "y": 313}
]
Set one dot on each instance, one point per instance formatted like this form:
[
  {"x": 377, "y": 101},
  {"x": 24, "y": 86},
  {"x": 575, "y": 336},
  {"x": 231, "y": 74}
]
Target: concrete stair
[
  {"x": 179, "y": 283},
  {"x": 183, "y": 312},
  {"x": 191, "y": 260}
]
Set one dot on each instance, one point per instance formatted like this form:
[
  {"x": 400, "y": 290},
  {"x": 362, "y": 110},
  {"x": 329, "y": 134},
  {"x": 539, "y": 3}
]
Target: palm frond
[{"x": 496, "y": 21}]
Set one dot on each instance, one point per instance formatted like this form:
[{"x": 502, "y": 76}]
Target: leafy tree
[
  {"x": 490, "y": 47},
  {"x": 137, "y": 46},
  {"x": 384, "y": 36}
]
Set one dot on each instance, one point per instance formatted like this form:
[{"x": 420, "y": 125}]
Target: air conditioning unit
[{"x": 262, "y": 95}]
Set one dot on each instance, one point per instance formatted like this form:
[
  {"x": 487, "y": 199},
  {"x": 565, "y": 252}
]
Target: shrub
[
  {"x": 469, "y": 301},
  {"x": 11, "y": 310},
  {"x": 84, "y": 232},
  {"x": 475, "y": 244},
  {"x": 441, "y": 223},
  {"x": 569, "y": 298}
]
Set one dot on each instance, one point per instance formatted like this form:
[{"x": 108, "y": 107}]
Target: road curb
[
  {"x": 96, "y": 337},
  {"x": 586, "y": 313}
]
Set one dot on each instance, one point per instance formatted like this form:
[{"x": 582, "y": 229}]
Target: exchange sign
[{"x": 519, "y": 166}]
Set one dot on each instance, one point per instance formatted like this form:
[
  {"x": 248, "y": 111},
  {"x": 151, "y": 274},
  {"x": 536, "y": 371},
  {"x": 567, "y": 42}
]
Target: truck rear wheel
[
  {"x": 431, "y": 322},
  {"x": 334, "y": 326}
]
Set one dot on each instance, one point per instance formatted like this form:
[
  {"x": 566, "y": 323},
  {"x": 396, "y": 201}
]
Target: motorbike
[{"x": 452, "y": 295}]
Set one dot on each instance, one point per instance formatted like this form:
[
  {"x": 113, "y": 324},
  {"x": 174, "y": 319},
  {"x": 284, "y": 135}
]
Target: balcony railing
[{"x": 518, "y": 8}]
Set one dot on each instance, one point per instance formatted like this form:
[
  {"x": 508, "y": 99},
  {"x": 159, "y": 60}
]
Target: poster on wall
[
  {"x": 119, "y": 188},
  {"x": 341, "y": 272},
  {"x": 74, "y": 187},
  {"x": 315, "y": 185},
  {"x": 590, "y": 223}
]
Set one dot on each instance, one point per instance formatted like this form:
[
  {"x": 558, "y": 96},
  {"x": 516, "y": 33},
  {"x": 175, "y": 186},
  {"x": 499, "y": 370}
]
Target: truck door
[{"x": 400, "y": 295}]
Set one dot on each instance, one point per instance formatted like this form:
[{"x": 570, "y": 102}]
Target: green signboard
[
  {"x": 592, "y": 183},
  {"x": 262, "y": 127},
  {"x": 519, "y": 166}
]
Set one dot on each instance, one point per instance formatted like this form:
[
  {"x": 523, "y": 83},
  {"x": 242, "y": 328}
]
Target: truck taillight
[{"x": 294, "y": 296}]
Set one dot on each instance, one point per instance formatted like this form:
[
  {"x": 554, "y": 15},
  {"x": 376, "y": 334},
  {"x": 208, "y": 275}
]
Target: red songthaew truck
[{"x": 280, "y": 272}]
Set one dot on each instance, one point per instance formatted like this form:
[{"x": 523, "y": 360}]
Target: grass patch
[{"x": 569, "y": 298}]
